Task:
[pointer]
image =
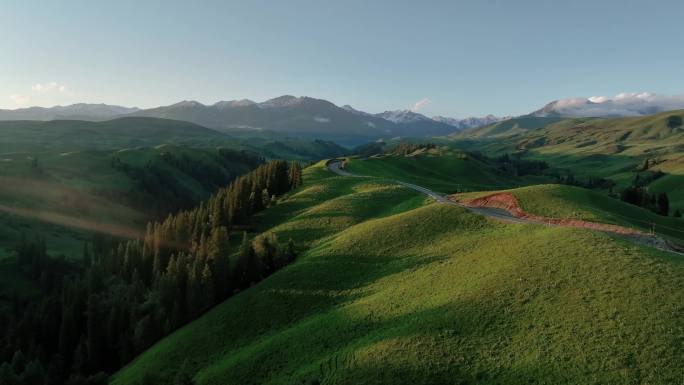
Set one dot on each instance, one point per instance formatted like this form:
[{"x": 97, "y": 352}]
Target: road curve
[{"x": 335, "y": 165}]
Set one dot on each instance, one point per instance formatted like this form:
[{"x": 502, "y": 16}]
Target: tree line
[{"x": 97, "y": 314}]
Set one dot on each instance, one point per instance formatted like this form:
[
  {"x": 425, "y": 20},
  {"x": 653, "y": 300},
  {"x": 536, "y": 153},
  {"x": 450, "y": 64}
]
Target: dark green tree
[
  {"x": 663, "y": 204},
  {"x": 7, "y": 375},
  {"x": 674, "y": 121},
  {"x": 34, "y": 374}
]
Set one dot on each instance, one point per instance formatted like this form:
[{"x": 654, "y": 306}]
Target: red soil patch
[{"x": 507, "y": 201}]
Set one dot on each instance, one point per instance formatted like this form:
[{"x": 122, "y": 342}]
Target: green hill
[
  {"x": 614, "y": 148},
  {"x": 561, "y": 201},
  {"x": 132, "y": 132},
  {"x": 442, "y": 170},
  {"x": 393, "y": 290},
  {"x": 508, "y": 127},
  {"x": 65, "y": 197}
]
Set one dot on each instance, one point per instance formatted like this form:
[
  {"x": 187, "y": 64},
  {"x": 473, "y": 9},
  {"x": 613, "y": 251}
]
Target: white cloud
[
  {"x": 622, "y": 104},
  {"x": 49, "y": 87},
  {"x": 420, "y": 104},
  {"x": 20, "y": 100},
  {"x": 321, "y": 119}
]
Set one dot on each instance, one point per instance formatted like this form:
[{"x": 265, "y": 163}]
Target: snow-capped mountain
[
  {"x": 297, "y": 116},
  {"x": 469, "y": 122},
  {"x": 234, "y": 103},
  {"x": 80, "y": 111},
  {"x": 624, "y": 104},
  {"x": 282, "y": 101},
  {"x": 403, "y": 116}
]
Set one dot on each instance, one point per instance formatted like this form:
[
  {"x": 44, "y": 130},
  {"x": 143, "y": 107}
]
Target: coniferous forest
[{"x": 97, "y": 314}]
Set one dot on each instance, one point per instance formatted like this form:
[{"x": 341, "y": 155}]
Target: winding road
[{"x": 335, "y": 165}]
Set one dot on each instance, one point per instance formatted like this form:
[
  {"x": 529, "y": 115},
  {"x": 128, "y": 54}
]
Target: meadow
[{"x": 392, "y": 288}]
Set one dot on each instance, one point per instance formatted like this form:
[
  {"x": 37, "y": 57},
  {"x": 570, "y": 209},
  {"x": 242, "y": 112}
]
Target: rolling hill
[
  {"x": 509, "y": 127},
  {"x": 613, "y": 148},
  {"x": 67, "y": 197},
  {"x": 132, "y": 132},
  {"x": 572, "y": 202},
  {"x": 393, "y": 289}
]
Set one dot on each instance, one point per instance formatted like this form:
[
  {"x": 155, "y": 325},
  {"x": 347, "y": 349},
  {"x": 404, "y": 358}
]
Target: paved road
[{"x": 335, "y": 166}]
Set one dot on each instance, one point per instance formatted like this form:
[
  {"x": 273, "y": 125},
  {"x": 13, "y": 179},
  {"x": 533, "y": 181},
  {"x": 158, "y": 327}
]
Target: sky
[{"x": 452, "y": 58}]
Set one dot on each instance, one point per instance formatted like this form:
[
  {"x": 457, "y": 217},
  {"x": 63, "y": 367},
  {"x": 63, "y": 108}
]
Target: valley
[{"x": 341, "y": 193}]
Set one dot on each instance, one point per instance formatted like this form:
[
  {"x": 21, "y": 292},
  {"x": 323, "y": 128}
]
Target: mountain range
[
  {"x": 80, "y": 111},
  {"x": 623, "y": 104},
  {"x": 308, "y": 117},
  {"x": 289, "y": 115}
]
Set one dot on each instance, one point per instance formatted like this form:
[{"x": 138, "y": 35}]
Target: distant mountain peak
[
  {"x": 234, "y": 103},
  {"x": 188, "y": 103},
  {"x": 354, "y": 110},
  {"x": 469, "y": 122},
  {"x": 623, "y": 104},
  {"x": 403, "y": 116},
  {"x": 281, "y": 101},
  {"x": 78, "y": 111}
]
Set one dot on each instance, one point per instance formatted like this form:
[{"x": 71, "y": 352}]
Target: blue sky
[{"x": 460, "y": 57}]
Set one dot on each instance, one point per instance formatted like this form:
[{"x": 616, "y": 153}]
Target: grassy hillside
[
  {"x": 391, "y": 290},
  {"x": 508, "y": 127},
  {"x": 65, "y": 197},
  {"x": 442, "y": 170},
  {"x": 590, "y": 147},
  {"x": 72, "y": 135},
  {"x": 561, "y": 201}
]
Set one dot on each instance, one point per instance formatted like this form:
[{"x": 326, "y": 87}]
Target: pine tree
[
  {"x": 34, "y": 374},
  {"x": 18, "y": 362},
  {"x": 219, "y": 254},
  {"x": 663, "y": 204},
  {"x": 290, "y": 252},
  {"x": 94, "y": 338},
  {"x": 265, "y": 198},
  {"x": 207, "y": 280},
  {"x": 295, "y": 175},
  {"x": 266, "y": 248},
  {"x": 247, "y": 269},
  {"x": 7, "y": 375}
]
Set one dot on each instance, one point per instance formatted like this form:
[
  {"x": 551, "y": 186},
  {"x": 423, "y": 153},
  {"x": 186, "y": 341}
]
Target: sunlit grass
[{"x": 399, "y": 291}]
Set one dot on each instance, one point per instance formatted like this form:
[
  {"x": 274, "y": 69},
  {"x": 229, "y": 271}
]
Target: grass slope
[
  {"x": 562, "y": 201},
  {"x": 612, "y": 148},
  {"x": 71, "y": 189},
  {"x": 395, "y": 291},
  {"x": 444, "y": 171},
  {"x": 504, "y": 128},
  {"x": 38, "y": 137}
]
